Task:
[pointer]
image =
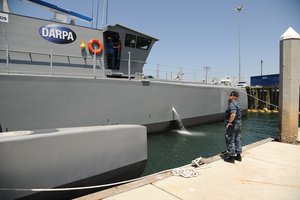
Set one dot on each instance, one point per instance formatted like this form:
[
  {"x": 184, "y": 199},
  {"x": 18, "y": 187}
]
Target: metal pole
[
  {"x": 97, "y": 14},
  {"x": 51, "y": 62},
  {"x": 206, "y": 70},
  {"x": 261, "y": 67},
  {"x": 239, "y": 9},
  {"x": 157, "y": 71},
  {"x": 92, "y": 24},
  {"x": 239, "y": 32},
  {"x": 7, "y": 58},
  {"x": 94, "y": 64},
  {"x": 106, "y": 12},
  {"x": 129, "y": 65}
]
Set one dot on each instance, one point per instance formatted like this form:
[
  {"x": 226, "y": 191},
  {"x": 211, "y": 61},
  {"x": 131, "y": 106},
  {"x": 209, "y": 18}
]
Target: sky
[{"x": 194, "y": 34}]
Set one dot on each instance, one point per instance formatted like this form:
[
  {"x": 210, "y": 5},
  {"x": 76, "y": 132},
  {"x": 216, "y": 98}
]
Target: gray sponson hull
[
  {"x": 70, "y": 157},
  {"x": 39, "y": 102}
]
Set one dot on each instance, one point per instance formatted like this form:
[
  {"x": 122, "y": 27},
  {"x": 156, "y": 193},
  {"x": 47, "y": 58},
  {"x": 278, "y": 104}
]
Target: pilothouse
[{"x": 82, "y": 51}]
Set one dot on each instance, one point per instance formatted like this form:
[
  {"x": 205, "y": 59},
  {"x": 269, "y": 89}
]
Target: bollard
[{"x": 289, "y": 85}]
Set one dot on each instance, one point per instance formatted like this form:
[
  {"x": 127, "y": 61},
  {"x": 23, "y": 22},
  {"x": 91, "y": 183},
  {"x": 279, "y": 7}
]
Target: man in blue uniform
[{"x": 233, "y": 121}]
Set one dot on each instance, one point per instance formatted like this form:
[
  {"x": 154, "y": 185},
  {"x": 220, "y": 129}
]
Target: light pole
[
  {"x": 261, "y": 67},
  {"x": 239, "y": 9},
  {"x": 206, "y": 70}
]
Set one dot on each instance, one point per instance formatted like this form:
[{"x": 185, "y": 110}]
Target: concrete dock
[{"x": 269, "y": 170}]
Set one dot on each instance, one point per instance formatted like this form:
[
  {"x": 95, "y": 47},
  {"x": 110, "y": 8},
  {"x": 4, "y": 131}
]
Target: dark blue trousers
[{"x": 233, "y": 141}]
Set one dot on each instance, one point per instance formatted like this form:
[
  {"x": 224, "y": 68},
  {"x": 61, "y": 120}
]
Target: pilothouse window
[
  {"x": 130, "y": 40},
  {"x": 138, "y": 42},
  {"x": 143, "y": 43}
]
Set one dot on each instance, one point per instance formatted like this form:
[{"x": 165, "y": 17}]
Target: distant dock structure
[{"x": 263, "y": 93}]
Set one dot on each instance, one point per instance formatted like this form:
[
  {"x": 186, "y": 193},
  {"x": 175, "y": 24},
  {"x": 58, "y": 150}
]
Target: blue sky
[{"x": 197, "y": 33}]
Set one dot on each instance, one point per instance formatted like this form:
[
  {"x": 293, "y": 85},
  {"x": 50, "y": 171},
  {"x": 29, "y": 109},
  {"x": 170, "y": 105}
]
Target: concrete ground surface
[{"x": 267, "y": 171}]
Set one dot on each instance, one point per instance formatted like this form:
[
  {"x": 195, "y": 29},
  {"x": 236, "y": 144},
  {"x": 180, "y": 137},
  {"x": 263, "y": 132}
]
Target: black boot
[
  {"x": 229, "y": 159},
  {"x": 238, "y": 157}
]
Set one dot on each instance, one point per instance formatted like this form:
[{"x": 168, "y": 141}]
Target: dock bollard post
[{"x": 289, "y": 85}]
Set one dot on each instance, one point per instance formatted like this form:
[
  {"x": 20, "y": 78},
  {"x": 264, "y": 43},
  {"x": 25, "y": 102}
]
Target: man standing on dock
[{"x": 233, "y": 121}]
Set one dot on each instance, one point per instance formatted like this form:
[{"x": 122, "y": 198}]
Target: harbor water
[{"x": 179, "y": 147}]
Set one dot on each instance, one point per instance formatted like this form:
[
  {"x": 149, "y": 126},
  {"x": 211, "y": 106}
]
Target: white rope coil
[
  {"x": 188, "y": 171},
  {"x": 197, "y": 162}
]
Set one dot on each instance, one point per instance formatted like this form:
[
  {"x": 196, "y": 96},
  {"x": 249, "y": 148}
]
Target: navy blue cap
[{"x": 234, "y": 93}]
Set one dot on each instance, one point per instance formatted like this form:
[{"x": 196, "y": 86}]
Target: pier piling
[
  {"x": 289, "y": 86},
  {"x": 263, "y": 98}
]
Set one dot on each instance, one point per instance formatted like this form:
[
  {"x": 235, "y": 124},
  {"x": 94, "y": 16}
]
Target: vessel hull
[{"x": 39, "y": 102}]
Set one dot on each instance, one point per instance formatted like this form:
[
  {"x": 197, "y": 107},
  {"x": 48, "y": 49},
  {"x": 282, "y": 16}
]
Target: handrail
[
  {"x": 51, "y": 55},
  {"x": 51, "y": 59},
  {"x": 42, "y": 53},
  {"x": 159, "y": 71},
  {"x": 66, "y": 55},
  {"x": 136, "y": 61}
]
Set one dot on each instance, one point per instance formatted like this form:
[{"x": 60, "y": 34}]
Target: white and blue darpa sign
[{"x": 57, "y": 34}]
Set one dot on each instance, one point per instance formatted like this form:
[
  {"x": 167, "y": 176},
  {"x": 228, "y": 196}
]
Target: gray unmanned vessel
[{"x": 55, "y": 74}]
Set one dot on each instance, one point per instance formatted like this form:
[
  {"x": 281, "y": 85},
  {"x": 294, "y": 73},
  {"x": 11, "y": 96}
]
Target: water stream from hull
[
  {"x": 182, "y": 130},
  {"x": 179, "y": 122}
]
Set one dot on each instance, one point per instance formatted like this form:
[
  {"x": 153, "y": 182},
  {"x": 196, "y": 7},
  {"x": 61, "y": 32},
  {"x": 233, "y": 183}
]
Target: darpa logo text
[
  {"x": 57, "y": 34},
  {"x": 3, "y": 17}
]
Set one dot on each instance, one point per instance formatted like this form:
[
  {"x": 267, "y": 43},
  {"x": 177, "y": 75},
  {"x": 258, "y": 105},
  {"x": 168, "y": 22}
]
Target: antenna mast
[{"x": 104, "y": 13}]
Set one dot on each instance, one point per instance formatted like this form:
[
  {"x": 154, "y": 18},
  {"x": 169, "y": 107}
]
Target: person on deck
[
  {"x": 233, "y": 121},
  {"x": 110, "y": 53}
]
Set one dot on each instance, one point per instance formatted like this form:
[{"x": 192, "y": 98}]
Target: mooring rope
[
  {"x": 187, "y": 171},
  {"x": 80, "y": 188},
  {"x": 239, "y": 89}
]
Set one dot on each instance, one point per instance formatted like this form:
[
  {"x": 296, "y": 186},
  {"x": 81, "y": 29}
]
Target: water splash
[
  {"x": 190, "y": 133},
  {"x": 182, "y": 130},
  {"x": 179, "y": 122}
]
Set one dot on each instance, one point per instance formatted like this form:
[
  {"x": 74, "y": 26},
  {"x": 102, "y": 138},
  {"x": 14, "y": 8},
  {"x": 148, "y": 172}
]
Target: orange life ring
[{"x": 91, "y": 48}]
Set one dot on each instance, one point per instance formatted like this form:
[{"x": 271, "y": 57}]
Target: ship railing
[
  {"x": 174, "y": 73},
  {"x": 45, "y": 63},
  {"x": 50, "y": 63},
  {"x": 134, "y": 71},
  {"x": 192, "y": 74}
]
